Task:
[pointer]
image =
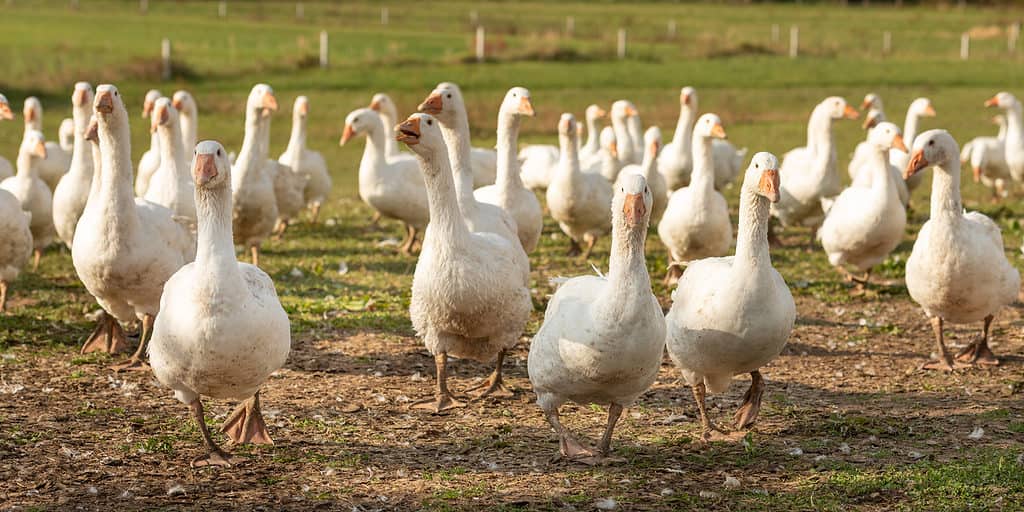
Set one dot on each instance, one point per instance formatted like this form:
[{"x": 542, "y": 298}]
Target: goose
[
  {"x": 957, "y": 271},
  {"x": 621, "y": 111},
  {"x": 539, "y": 161},
  {"x": 446, "y": 105},
  {"x": 470, "y": 293},
  {"x": 188, "y": 118},
  {"x": 636, "y": 133},
  {"x": 649, "y": 169},
  {"x": 1013, "y": 146},
  {"x": 508, "y": 192},
  {"x": 32, "y": 192},
  {"x": 221, "y": 331},
  {"x": 865, "y": 224},
  {"x": 6, "y": 169},
  {"x": 125, "y": 248},
  {"x": 305, "y": 162},
  {"x": 607, "y": 162},
  {"x": 150, "y": 160},
  {"x": 73, "y": 190},
  {"x": 733, "y": 315},
  {"x": 809, "y": 173},
  {"x": 382, "y": 104},
  {"x": 578, "y": 201},
  {"x": 987, "y": 158},
  {"x": 593, "y": 115},
  {"x": 393, "y": 188},
  {"x": 15, "y": 242},
  {"x": 602, "y": 338},
  {"x": 57, "y": 160},
  {"x": 252, "y": 184},
  {"x": 483, "y": 162},
  {"x": 861, "y": 176},
  {"x": 676, "y": 160},
  {"x": 920, "y": 107},
  {"x": 66, "y": 136},
  {"x": 874, "y": 113},
  {"x": 696, "y": 222},
  {"x": 170, "y": 185}
]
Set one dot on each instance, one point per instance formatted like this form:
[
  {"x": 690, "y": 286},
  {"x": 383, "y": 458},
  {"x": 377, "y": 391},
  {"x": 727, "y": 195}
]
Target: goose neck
[
  {"x": 456, "y": 137},
  {"x": 703, "y": 175},
  {"x": 752, "y": 233},
  {"x": 446, "y": 221},
  {"x": 627, "y": 268},
  {"x": 81, "y": 149},
  {"x": 116, "y": 194},
  {"x": 684, "y": 129},
  {"x": 1014, "y": 125},
  {"x": 508, "y": 178},
  {"x": 593, "y": 142},
  {"x": 910, "y": 127},
  {"x": 215, "y": 250},
  {"x": 297, "y": 139},
  {"x": 945, "y": 202}
]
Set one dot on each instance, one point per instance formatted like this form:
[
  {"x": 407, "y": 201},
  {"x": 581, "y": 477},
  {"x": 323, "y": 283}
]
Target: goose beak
[
  {"x": 40, "y": 150},
  {"x": 850, "y": 113},
  {"x": 269, "y": 104},
  {"x": 869, "y": 122},
  {"x": 78, "y": 97},
  {"x": 5, "y": 112},
  {"x": 159, "y": 117},
  {"x": 432, "y": 105},
  {"x": 303, "y": 108},
  {"x": 977, "y": 174},
  {"x": 654, "y": 147},
  {"x": 634, "y": 209},
  {"x": 865, "y": 104},
  {"x": 917, "y": 162},
  {"x": 684, "y": 99},
  {"x": 347, "y": 134},
  {"x": 613, "y": 148},
  {"x": 147, "y": 107},
  {"x": 718, "y": 131},
  {"x": 929, "y": 111},
  {"x": 897, "y": 143},
  {"x": 30, "y": 114},
  {"x": 769, "y": 184},
  {"x": 525, "y": 107},
  {"x": 409, "y": 131},
  {"x": 375, "y": 105},
  {"x": 630, "y": 111},
  {"x": 204, "y": 169},
  {"x": 92, "y": 132},
  {"x": 601, "y": 113},
  {"x": 176, "y": 103},
  {"x": 992, "y": 102},
  {"x": 105, "y": 103}
]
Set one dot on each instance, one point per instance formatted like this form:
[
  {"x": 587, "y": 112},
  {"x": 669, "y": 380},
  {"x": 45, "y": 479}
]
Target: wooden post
[
  {"x": 622, "y": 44},
  {"x": 74, "y": 5},
  {"x": 143, "y": 6},
  {"x": 323, "y": 49},
  {"x": 671, "y": 29},
  {"x": 300, "y": 11},
  {"x": 794, "y": 41},
  {"x": 886, "y": 42},
  {"x": 474, "y": 18},
  {"x": 570, "y": 26},
  {"x": 165, "y": 56},
  {"x": 222, "y": 9},
  {"x": 480, "y": 39},
  {"x": 384, "y": 16},
  {"x": 965, "y": 46},
  {"x": 1012, "y": 35},
  {"x": 775, "y": 33}
]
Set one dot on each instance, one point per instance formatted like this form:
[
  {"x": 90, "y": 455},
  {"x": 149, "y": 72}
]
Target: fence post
[
  {"x": 480, "y": 39},
  {"x": 1012, "y": 35},
  {"x": 887, "y": 42},
  {"x": 775, "y": 33},
  {"x": 323, "y": 49},
  {"x": 965, "y": 46},
  {"x": 671, "y": 29},
  {"x": 622, "y": 44},
  {"x": 222, "y": 9},
  {"x": 474, "y": 18},
  {"x": 384, "y": 16},
  {"x": 570, "y": 26},
  {"x": 165, "y": 56},
  {"x": 300, "y": 11},
  {"x": 794, "y": 41},
  {"x": 143, "y": 6}
]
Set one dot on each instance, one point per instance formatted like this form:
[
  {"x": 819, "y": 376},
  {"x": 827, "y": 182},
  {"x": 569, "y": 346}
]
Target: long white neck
[
  {"x": 251, "y": 158},
  {"x": 820, "y": 143},
  {"x": 215, "y": 250},
  {"x": 946, "y": 191},
  {"x": 623, "y": 139},
  {"x": 684, "y": 129},
  {"x": 508, "y": 179},
  {"x": 456, "y": 137},
  {"x": 702, "y": 178},
  {"x": 172, "y": 150},
  {"x": 593, "y": 143},
  {"x": 81, "y": 149},
  {"x": 910, "y": 127},
  {"x": 1014, "y": 126},
  {"x": 568, "y": 162},
  {"x": 27, "y": 165},
  {"x": 297, "y": 140},
  {"x": 116, "y": 196},
  {"x": 878, "y": 162},
  {"x": 627, "y": 270},
  {"x": 154, "y": 142},
  {"x": 189, "y": 121},
  {"x": 445, "y": 221},
  {"x": 389, "y": 116},
  {"x": 373, "y": 152},
  {"x": 97, "y": 172},
  {"x": 752, "y": 234}
]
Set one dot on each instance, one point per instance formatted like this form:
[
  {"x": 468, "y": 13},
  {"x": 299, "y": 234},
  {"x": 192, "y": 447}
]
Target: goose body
[
  {"x": 6, "y": 169},
  {"x": 1013, "y": 142},
  {"x": 540, "y": 161},
  {"x": 649, "y": 169},
  {"x": 188, "y": 119},
  {"x": 252, "y": 184},
  {"x": 305, "y": 162},
  {"x": 52, "y": 167},
  {"x": 987, "y": 157},
  {"x": 73, "y": 190},
  {"x": 32, "y": 192},
  {"x": 15, "y": 242},
  {"x": 171, "y": 186},
  {"x": 150, "y": 160}
]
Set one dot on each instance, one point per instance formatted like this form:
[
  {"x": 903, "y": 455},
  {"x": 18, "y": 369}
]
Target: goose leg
[
  {"x": 614, "y": 412},
  {"x": 410, "y": 237},
  {"x": 280, "y": 228},
  {"x": 672, "y": 275},
  {"x": 978, "y": 351},
  {"x": 254, "y": 251},
  {"x": 568, "y": 445},
  {"x": 375, "y": 221},
  {"x": 108, "y": 336},
  {"x": 443, "y": 399},
  {"x": 699, "y": 393},
  {"x": 747, "y": 413},
  {"x": 136, "y": 362},
  {"x": 3, "y": 296},
  {"x": 945, "y": 361},
  {"x": 493, "y": 386},
  {"x": 574, "y": 248},
  {"x": 246, "y": 425},
  {"x": 36, "y": 254},
  {"x": 590, "y": 240},
  {"x": 216, "y": 456},
  {"x": 315, "y": 213}
]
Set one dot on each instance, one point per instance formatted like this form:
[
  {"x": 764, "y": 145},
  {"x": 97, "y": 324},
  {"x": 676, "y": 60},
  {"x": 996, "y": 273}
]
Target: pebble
[
  {"x": 731, "y": 482},
  {"x": 606, "y": 504},
  {"x": 976, "y": 434},
  {"x": 796, "y": 452},
  {"x": 176, "y": 490}
]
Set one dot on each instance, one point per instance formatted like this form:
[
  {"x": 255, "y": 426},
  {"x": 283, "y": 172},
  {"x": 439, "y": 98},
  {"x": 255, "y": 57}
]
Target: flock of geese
[{"x": 155, "y": 243}]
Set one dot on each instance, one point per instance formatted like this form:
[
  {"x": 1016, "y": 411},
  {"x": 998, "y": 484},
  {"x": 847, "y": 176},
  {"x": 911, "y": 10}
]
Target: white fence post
[
  {"x": 671, "y": 29},
  {"x": 222, "y": 9},
  {"x": 965, "y": 46},
  {"x": 300, "y": 11},
  {"x": 323, "y": 49},
  {"x": 1012, "y": 35},
  {"x": 143, "y": 6},
  {"x": 474, "y": 18},
  {"x": 622, "y": 44},
  {"x": 887, "y": 42},
  {"x": 775, "y": 33},
  {"x": 794, "y": 41},
  {"x": 384, "y": 16},
  {"x": 480, "y": 40},
  {"x": 74, "y": 5},
  {"x": 570, "y": 25},
  {"x": 165, "y": 56}
]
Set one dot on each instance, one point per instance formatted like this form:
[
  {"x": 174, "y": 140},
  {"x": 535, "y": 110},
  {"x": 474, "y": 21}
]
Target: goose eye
[
  {"x": 218, "y": 153},
  {"x": 757, "y": 166},
  {"x": 931, "y": 143},
  {"x": 645, "y": 190},
  {"x": 449, "y": 96},
  {"x": 430, "y": 122}
]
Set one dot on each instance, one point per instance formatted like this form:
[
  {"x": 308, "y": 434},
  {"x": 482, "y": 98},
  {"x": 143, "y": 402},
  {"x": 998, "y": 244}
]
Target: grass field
[{"x": 849, "y": 421}]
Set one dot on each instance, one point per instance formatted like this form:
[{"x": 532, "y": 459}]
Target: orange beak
[
  {"x": 409, "y": 131},
  {"x": 865, "y": 104},
  {"x": 105, "y": 103},
  {"x": 432, "y": 105},
  {"x": 654, "y": 147},
  {"x": 897, "y": 143},
  {"x": 718, "y": 131},
  {"x": 601, "y": 113},
  {"x": 613, "y": 148},
  {"x": 269, "y": 104},
  {"x": 929, "y": 111},
  {"x": 634, "y": 209},
  {"x": 30, "y": 114},
  {"x": 630, "y": 111},
  {"x": 375, "y": 105},
  {"x": 525, "y": 107},
  {"x": 977, "y": 174},
  {"x": 5, "y": 112},
  {"x": 92, "y": 132},
  {"x": 304, "y": 108},
  {"x": 769, "y": 184},
  {"x": 869, "y": 122},
  {"x": 204, "y": 169},
  {"x": 850, "y": 113},
  {"x": 147, "y": 107},
  {"x": 40, "y": 150},
  {"x": 917, "y": 162},
  {"x": 347, "y": 134},
  {"x": 992, "y": 102},
  {"x": 176, "y": 103},
  {"x": 78, "y": 97},
  {"x": 159, "y": 117},
  {"x": 684, "y": 99}
]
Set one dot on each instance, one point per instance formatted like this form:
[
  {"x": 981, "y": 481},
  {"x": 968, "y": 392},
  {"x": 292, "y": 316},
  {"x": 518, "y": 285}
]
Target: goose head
[
  {"x": 567, "y": 129},
  {"x": 594, "y": 113},
  {"x": 922, "y": 107},
  {"x": 92, "y": 131},
  {"x": 688, "y": 97},
  {"x": 623, "y": 109},
  {"x": 609, "y": 142},
  {"x": 709, "y": 126},
  {"x": 652, "y": 141},
  {"x": 210, "y": 166},
  {"x": 762, "y": 176},
  {"x": 358, "y": 122},
  {"x": 1003, "y": 100},
  {"x": 34, "y": 144},
  {"x": 183, "y": 101},
  {"x": 933, "y": 147},
  {"x": 32, "y": 110},
  {"x": 442, "y": 102},
  {"x": 5, "y": 109},
  {"x": 147, "y": 103},
  {"x": 82, "y": 95},
  {"x": 66, "y": 133},
  {"x": 422, "y": 133},
  {"x": 382, "y": 103},
  {"x": 632, "y": 202},
  {"x": 517, "y": 103},
  {"x": 261, "y": 101},
  {"x": 109, "y": 106},
  {"x": 300, "y": 109},
  {"x": 164, "y": 114},
  {"x": 837, "y": 108},
  {"x": 887, "y": 136},
  {"x": 871, "y": 101},
  {"x": 872, "y": 119}
]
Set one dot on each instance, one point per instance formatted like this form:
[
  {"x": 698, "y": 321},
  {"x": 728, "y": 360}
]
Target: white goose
[
  {"x": 622, "y": 111},
  {"x": 66, "y": 137},
  {"x": 73, "y": 190},
  {"x": 150, "y": 160},
  {"x": 987, "y": 157},
  {"x": 470, "y": 294},
  {"x": 957, "y": 271},
  {"x": 809, "y": 173},
  {"x": 57, "y": 160},
  {"x": 733, "y": 315},
  {"x": 636, "y": 132},
  {"x": 32, "y": 192},
  {"x": 252, "y": 185},
  {"x": 602, "y": 338},
  {"x": 445, "y": 103},
  {"x": 125, "y": 248},
  {"x": 578, "y": 201},
  {"x": 385, "y": 107},
  {"x": 920, "y": 107},
  {"x": 221, "y": 331},
  {"x": 508, "y": 192},
  {"x": 483, "y": 163},
  {"x": 589, "y": 150},
  {"x": 305, "y": 162},
  {"x": 188, "y": 118},
  {"x": 676, "y": 160},
  {"x": 171, "y": 185},
  {"x": 394, "y": 189},
  {"x": 696, "y": 222},
  {"x": 606, "y": 161},
  {"x": 861, "y": 176},
  {"x": 540, "y": 161},
  {"x": 1013, "y": 146},
  {"x": 15, "y": 242},
  {"x": 6, "y": 169},
  {"x": 874, "y": 114},
  {"x": 865, "y": 223},
  {"x": 649, "y": 169}
]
